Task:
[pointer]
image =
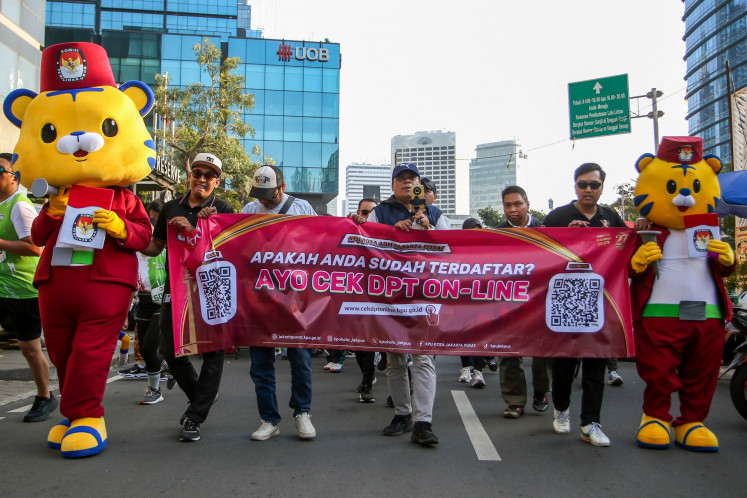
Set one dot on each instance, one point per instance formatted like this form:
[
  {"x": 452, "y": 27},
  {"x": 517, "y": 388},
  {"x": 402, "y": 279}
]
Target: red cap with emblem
[
  {"x": 684, "y": 150},
  {"x": 73, "y": 65}
]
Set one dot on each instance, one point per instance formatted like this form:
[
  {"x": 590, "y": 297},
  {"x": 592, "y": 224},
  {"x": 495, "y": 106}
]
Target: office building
[
  {"x": 21, "y": 35},
  {"x": 366, "y": 180},
  {"x": 434, "y": 153},
  {"x": 296, "y": 84},
  {"x": 496, "y": 166},
  {"x": 715, "y": 33}
]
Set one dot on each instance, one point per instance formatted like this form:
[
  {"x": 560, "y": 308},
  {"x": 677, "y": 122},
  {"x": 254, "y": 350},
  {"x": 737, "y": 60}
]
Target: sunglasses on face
[
  {"x": 583, "y": 185},
  {"x": 197, "y": 174},
  {"x": 5, "y": 171},
  {"x": 365, "y": 212}
]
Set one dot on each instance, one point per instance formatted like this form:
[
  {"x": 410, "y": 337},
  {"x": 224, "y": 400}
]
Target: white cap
[
  {"x": 266, "y": 180},
  {"x": 207, "y": 159}
]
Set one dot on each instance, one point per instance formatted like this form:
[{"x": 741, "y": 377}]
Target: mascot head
[
  {"x": 678, "y": 181},
  {"x": 81, "y": 129}
]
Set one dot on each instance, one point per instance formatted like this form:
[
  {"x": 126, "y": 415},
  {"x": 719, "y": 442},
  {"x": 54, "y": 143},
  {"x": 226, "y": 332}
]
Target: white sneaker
[
  {"x": 304, "y": 426},
  {"x": 593, "y": 434},
  {"x": 330, "y": 365},
  {"x": 265, "y": 431},
  {"x": 477, "y": 380},
  {"x": 465, "y": 374},
  {"x": 561, "y": 422},
  {"x": 614, "y": 379},
  {"x": 336, "y": 368}
]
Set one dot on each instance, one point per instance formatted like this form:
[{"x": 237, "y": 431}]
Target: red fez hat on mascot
[
  {"x": 685, "y": 150},
  {"x": 74, "y": 65}
]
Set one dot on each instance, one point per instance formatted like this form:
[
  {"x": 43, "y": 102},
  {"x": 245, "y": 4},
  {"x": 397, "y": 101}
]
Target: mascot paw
[
  {"x": 654, "y": 433},
  {"x": 695, "y": 437},
  {"x": 86, "y": 436},
  {"x": 56, "y": 433}
]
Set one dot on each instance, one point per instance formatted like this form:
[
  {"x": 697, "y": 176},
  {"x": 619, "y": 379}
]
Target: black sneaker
[
  {"x": 170, "y": 382},
  {"x": 134, "y": 372},
  {"x": 190, "y": 431},
  {"x": 366, "y": 395},
  {"x": 41, "y": 408},
  {"x": 539, "y": 403},
  {"x": 493, "y": 365},
  {"x": 422, "y": 433},
  {"x": 400, "y": 424},
  {"x": 513, "y": 411}
]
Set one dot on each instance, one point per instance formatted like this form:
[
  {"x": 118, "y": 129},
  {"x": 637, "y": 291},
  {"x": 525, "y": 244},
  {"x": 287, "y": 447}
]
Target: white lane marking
[
  {"x": 28, "y": 407},
  {"x": 480, "y": 441}
]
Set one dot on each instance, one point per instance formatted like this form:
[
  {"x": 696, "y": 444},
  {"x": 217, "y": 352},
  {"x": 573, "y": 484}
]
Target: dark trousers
[
  {"x": 592, "y": 385},
  {"x": 365, "y": 361},
  {"x": 148, "y": 331},
  {"x": 200, "y": 390}
]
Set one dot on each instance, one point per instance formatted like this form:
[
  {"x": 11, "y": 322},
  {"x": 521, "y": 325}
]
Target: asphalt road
[{"x": 350, "y": 457}]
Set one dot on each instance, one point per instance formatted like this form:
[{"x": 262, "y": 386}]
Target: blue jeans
[{"x": 262, "y": 371}]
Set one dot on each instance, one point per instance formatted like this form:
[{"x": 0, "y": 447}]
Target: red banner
[{"x": 323, "y": 282}]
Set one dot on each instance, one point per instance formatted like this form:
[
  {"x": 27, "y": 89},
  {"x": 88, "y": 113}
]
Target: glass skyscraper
[
  {"x": 494, "y": 168},
  {"x": 715, "y": 32},
  {"x": 296, "y": 84}
]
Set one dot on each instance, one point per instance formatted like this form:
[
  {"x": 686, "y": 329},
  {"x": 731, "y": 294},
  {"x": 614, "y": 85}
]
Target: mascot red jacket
[
  {"x": 82, "y": 131},
  {"x": 679, "y": 301}
]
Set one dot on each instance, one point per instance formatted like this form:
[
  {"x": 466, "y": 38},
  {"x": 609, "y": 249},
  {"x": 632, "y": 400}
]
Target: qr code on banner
[
  {"x": 575, "y": 303},
  {"x": 217, "y": 284}
]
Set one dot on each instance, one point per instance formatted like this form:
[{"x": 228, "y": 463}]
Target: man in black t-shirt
[
  {"x": 182, "y": 213},
  {"x": 583, "y": 212}
]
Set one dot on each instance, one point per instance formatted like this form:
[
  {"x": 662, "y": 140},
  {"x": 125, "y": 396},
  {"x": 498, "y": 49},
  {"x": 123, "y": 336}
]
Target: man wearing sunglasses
[
  {"x": 583, "y": 212},
  {"x": 182, "y": 213},
  {"x": 18, "y": 297}
]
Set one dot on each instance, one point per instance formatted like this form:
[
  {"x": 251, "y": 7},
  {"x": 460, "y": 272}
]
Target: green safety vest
[{"x": 16, "y": 272}]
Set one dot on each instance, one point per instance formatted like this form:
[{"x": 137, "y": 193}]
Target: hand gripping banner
[{"x": 323, "y": 282}]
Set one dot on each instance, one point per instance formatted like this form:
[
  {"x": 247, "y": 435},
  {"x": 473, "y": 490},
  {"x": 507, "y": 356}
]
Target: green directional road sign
[{"x": 599, "y": 107}]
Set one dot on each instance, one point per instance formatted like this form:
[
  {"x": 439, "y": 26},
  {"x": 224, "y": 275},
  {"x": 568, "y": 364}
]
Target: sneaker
[
  {"x": 190, "y": 430},
  {"x": 423, "y": 433},
  {"x": 41, "y": 408},
  {"x": 304, "y": 427},
  {"x": 265, "y": 431},
  {"x": 465, "y": 374},
  {"x": 513, "y": 411},
  {"x": 151, "y": 396},
  {"x": 561, "y": 422},
  {"x": 493, "y": 365},
  {"x": 399, "y": 425},
  {"x": 614, "y": 379},
  {"x": 539, "y": 403},
  {"x": 358, "y": 389},
  {"x": 170, "y": 382},
  {"x": 336, "y": 368},
  {"x": 329, "y": 365},
  {"x": 134, "y": 372},
  {"x": 389, "y": 402},
  {"x": 366, "y": 395},
  {"x": 477, "y": 380},
  {"x": 593, "y": 434}
]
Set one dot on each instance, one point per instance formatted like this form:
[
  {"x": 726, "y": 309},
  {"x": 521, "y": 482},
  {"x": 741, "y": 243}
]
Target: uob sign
[{"x": 303, "y": 53}]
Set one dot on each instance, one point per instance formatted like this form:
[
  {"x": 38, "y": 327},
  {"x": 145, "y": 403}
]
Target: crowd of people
[{"x": 411, "y": 379}]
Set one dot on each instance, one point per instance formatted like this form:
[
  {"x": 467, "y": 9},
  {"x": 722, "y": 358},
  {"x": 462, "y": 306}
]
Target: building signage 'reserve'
[{"x": 285, "y": 52}]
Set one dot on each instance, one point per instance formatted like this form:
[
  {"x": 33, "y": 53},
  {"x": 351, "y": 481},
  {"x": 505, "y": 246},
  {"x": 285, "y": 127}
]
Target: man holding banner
[
  {"x": 268, "y": 186},
  {"x": 418, "y": 407},
  {"x": 583, "y": 212}
]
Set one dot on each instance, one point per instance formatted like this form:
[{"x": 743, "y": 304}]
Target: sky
[{"x": 492, "y": 70}]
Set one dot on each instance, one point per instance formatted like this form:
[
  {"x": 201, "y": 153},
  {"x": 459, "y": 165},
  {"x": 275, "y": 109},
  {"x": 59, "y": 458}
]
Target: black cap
[
  {"x": 428, "y": 184},
  {"x": 471, "y": 223}
]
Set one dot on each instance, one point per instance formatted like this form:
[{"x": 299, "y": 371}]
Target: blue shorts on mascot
[
  {"x": 83, "y": 131},
  {"x": 678, "y": 297}
]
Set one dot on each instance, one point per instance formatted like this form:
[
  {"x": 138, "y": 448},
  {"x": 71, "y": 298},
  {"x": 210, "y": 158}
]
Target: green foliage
[
  {"x": 737, "y": 280},
  {"x": 208, "y": 118},
  {"x": 624, "y": 204}
]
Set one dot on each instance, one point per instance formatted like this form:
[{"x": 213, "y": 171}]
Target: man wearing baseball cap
[
  {"x": 268, "y": 186},
  {"x": 413, "y": 412}
]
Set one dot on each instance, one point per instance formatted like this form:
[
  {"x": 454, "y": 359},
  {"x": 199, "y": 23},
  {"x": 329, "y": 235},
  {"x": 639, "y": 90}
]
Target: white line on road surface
[
  {"x": 476, "y": 432},
  {"x": 28, "y": 407}
]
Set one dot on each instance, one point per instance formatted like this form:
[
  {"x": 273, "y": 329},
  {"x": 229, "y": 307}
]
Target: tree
[
  {"x": 208, "y": 118},
  {"x": 624, "y": 204}
]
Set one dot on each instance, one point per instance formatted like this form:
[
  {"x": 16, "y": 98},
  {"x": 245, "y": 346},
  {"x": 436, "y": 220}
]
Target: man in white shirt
[{"x": 268, "y": 186}]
